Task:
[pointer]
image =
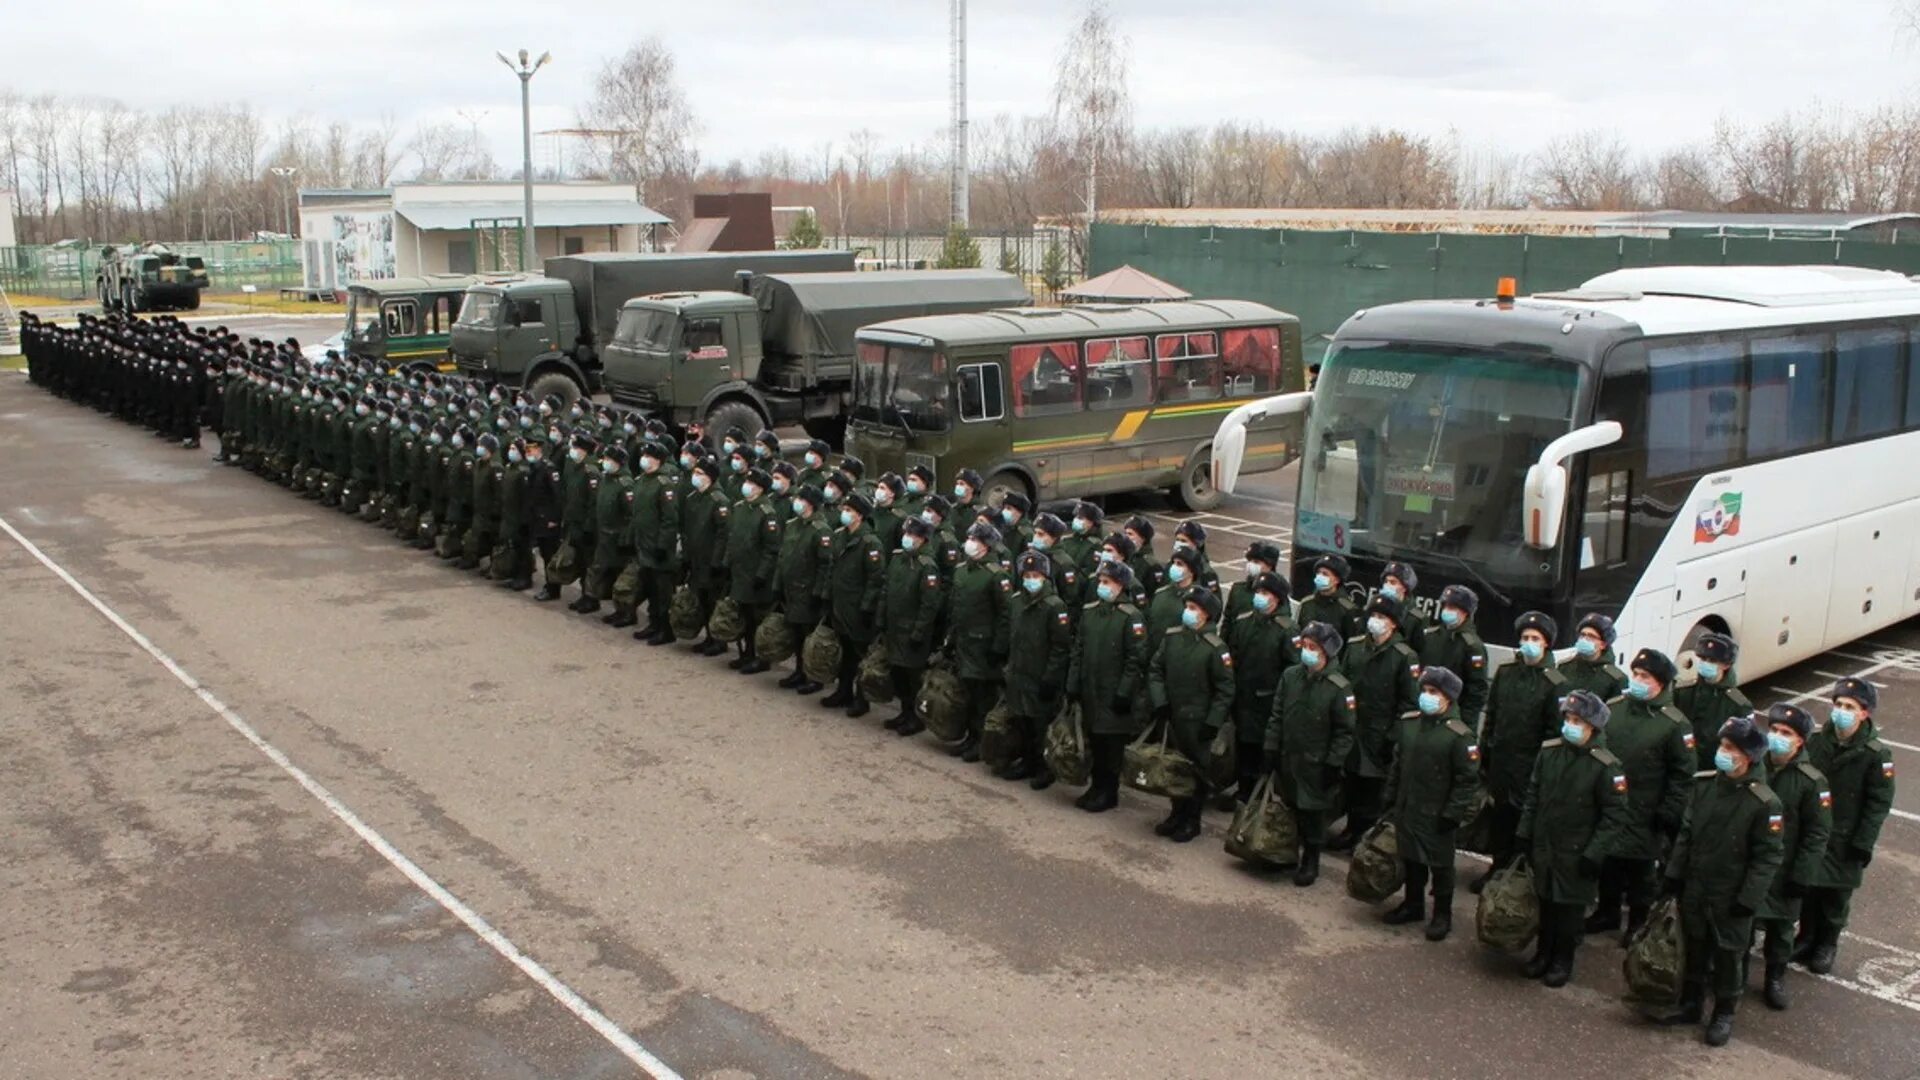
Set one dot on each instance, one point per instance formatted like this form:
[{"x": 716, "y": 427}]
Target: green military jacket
[
  {"x": 1079, "y": 552},
  {"x": 383, "y": 435},
  {"x": 1708, "y": 706},
  {"x": 806, "y": 556},
  {"x": 514, "y": 480},
  {"x": 1387, "y": 689},
  {"x": 1598, "y": 676},
  {"x": 911, "y": 606},
  {"x": 977, "y": 618},
  {"x": 705, "y": 528},
  {"x": 1149, "y": 574},
  {"x": 488, "y": 475},
  {"x": 1163, "y": 612},
  {"x": 1575, "y": 808},
  {"x": 887, "y": 523},
  {"x": 858, "y": 580},
  {"x": 1655, "y": 743},
  {"x": 1263, "y": 649},
  {"x": 1310, "y": 734},
  {"x": 1039, "y": 650},
  {"x": 753, "y": 544},
  {"x": 1523, "y": 711},
  {"x": 1462, "y": 652},
  {"x": 578, "y": 482},
  {"x": 1109, "y": 665},
  {"x": 1337, "y": 610},
  {"x": 653, "y": 524},
  {"x": 1859, "y": 773},
  {"x": 400, "y": 459},
  {"x": 1728, "y": 851},
  {"x": 1067, "y": 582},
  {"x": 460, "y": 469},
  {"x": 1432, "y": 785},
  {"x": 1803, "y": 792},
  {"x": 1191, "y": 675},
  {"x": 362, "y": 448},
  {"x": 612, "y": 506}
]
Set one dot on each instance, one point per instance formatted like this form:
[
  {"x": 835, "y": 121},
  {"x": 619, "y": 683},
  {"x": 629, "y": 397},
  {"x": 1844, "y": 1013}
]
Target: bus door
[
  {"x": 1119, "y": 381},
  {"x": 1187, "y": 375},
  {"x": 1054, "y": 436}
]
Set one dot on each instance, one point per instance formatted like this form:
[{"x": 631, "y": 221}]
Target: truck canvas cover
[
  {"x": 815, "y": 315},
  {"x": 602, "y": 281}
]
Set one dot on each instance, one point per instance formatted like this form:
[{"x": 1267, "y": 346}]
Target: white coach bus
[{"x": 1682, "y": 448}]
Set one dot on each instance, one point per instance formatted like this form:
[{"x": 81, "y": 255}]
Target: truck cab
[
  {"x": 523, "y": 331},
  {"x": 676, "y": 353}
]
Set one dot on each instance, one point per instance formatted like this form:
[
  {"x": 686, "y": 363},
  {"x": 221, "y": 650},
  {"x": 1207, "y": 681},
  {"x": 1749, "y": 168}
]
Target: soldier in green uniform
[
  {"x": 612, "y": 508},
  {"x": 1859, "y": 772},
  {"x": 1592, "y": 667},
  {"x": 1015, "y": 521},
  {"x": 736, "y": 465},
  {"x": 486, "y": 479},
  {"x": 1191, "y": 536},
  {"x": 653, "y": 535},
  {"x": 431, "y": 478},
  {"x": 1452, "y": 643},
  {"x": 1574, "y": 811},
  {"x": 910, "y": 612},
  {"x": 1190, "y": 681},
  {"x": 1383, "y": 669},
  {"x": 580, "y": 478},
  {"x": 1105, "y": 675},
  {"x": 784, "y": 480},
  {"x": 806, "y": 562},
  {"x": 813, "y": 472},
  {"x": 1261, "y": 637},
  {"x": 857, "y": 582},
  {"x": 967, "y": 504},
  {"x": 1148, "y": 572},
  {"x": 1725, "y": 857},
  {"x": 1083, "y": 546},
  {"x": 544, "y": 523},
  {"x": 1714, "y": 697},
  {"x": 1398, "y": 580},
  {"x": 1169, "y": 603},
  {"x": 1262, "y": 558},
  {"x": 457, "y": 466},
  {"x": 1328, "y": 602},
  {"x": 705, "y": 528},
  {"x": 1039, "y": 650},
  {"x": 1049, "y": 536},
  {"x": 1654, "y": 741},
  {"x": 397, "y": 496},
  {"x": 1308, "y": 739},
  {"x": 1808, "y": 801},
  {"x": 1523, "y": 711},
  {"x": 753, "y": 542},
  {"x": 888, "y": 516},
  {"x": 1431, "y": 787},
  {"x": 977, "y": 629},
  {"x": 919, "y": 485},
  {"x": 515, "y": 546}
]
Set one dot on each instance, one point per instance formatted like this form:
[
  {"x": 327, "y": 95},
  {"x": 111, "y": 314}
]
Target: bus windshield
[
  {"x": 899, "y": 385},
  {"x": 363, "y": 315},
  {"x": 1418, "y": 449}
]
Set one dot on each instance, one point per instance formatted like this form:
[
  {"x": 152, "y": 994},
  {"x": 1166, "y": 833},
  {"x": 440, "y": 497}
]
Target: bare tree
[
  {"x": 1091, "y": 102},
  {"x": 647, "y": 128},
  {"x": 1592, "y": 170},
  {"x": 1684, "y": 179},
  {"x": 1169, "y": 163},
  {"x": 450, "y": 151}
]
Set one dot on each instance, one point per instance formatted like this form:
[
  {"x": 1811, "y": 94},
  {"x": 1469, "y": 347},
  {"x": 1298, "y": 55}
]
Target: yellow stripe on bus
[{"x": 1129, "y": 425}]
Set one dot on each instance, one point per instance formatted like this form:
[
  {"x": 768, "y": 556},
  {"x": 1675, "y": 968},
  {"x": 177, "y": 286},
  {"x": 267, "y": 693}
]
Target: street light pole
[
  {"x": 285, "y": 173},
  {"x": 526, "y": 71}
]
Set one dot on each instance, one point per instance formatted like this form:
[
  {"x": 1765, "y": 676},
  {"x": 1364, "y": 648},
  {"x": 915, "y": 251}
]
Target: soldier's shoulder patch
[
  {"x": 1605, "y": 757},
  {"x": 1006, "y": 585},
  {"x": 668, "y": 492},
  {"x": 826, "y": 540},
  {"x": 1676, "y": 716},
  {"x": 933, "y": 581},
  {"x": 873, "y": 554},
  {"x": 629, "y": 494},
  {"x": 1886, "y": 768},
  {"x": 1340, "y": 681},
  {"x": 1063, "y": 618},
  {"x": 1139, "y": 628},
  {"x": 1620, "y": 783},
  {"x": 1734, "y": 695},
  {"x": 773, "y": 524},
  {"x": 1068, "y": 575},
  {"x": 1226, "y": 657},
  {"x": 1554, "y": 678},
  {"x": 1776, "y": 823},
  {"x": 1687, "y": 737},
  {"x": 1704, "y": 774},
  {"x": 1477, "y": 660},
  {"x": 1826, "y": 799},
  {"x": 1555, "y": 741},
  {"x": 593, "y": 482}
]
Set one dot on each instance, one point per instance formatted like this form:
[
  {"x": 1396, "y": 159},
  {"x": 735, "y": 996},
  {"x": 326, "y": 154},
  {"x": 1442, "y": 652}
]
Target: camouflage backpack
[
  {"x": 1509, "y": 913},
  {"x": 875, "y": 679},
  {"x": 1375, "y": 872},
  {"x": 727, "y": 622},
  {"x": 773, "y": 640},
  {"x": 943, "y": 703},
  {"x": 683, "y": 613},
  {"x": 1066, "y": 747},
  {"x": 1655, "y": 957},
  {"x": 820, "y": 656},
  {"x": 565, "y": 565},
  {"x": 1264, "y": 831},
  {"x": 999, "y": 739},
  {"x": 1156, "y": 767}
]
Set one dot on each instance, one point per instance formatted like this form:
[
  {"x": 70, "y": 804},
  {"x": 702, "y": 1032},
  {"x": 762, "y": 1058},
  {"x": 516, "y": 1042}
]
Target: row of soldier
[{"x": 1359, "y": 712}]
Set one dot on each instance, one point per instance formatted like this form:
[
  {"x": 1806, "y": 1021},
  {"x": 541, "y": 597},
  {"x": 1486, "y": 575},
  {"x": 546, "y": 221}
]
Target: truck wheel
[
  {"x": 127, "y": 299},
  {"x": 1196, "y": 491},
  {"x": 732, "y": 414},
  {"x": 1004, "y": 483},
  {"x": 829, "y": 429},
  {"x": 554, "y": 383},
  {"x": 193, "y": 301}
]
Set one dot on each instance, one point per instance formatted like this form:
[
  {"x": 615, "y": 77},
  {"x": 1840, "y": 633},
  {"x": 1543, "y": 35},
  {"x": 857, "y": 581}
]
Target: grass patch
[
  {"x": 28, "y": 301},
  {"x": 12, "y": 362},
  {"x": 273, "y": 302}
]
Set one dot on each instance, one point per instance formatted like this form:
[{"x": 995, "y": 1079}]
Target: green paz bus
[
  {"x": 405, "y": 321},
  {"x": 1074, "y": 402}
]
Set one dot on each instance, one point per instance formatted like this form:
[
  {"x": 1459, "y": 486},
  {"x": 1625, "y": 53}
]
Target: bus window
[
  {"x": 980, "y": 399},
  {"x": 1867, "y": 368},
  {"x": 402, "y": 318},
  {"x": 1046, "y": 378},
  {"x": 1189, "y": 366},
  {"x": 1252, "y": 361},
  {"x": 1119, "y": 374},
  {"x": 1696, "y": 416},
  {"x": 1605, "y": 528},
  {"x": 1789, "y": 394}
]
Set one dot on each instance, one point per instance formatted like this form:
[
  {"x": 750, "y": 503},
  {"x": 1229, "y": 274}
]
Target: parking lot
[{"x": 283, "y": 798}]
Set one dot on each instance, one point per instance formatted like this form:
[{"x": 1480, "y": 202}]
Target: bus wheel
[
  {"x": 1003, "y": 483},
  {"x": 732, "y": 414},
  {"x": 554, "y": 384},
  {"x": 1196, "y": 491}
]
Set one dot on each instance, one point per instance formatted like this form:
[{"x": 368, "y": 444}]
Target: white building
[
  {"x": 7, "y": 237},
  {"x": 459, "y": 227}
]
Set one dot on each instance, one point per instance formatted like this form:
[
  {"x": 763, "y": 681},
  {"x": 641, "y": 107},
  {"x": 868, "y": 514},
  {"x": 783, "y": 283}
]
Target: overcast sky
[{"x": 761, "y": 73}]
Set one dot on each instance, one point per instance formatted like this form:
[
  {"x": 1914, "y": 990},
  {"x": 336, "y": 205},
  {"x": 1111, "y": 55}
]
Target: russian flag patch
[
  {"x": 1775, "y": 823},
  {"x": 1826, "y": 800},
  {"x": 1620, "y": 784}
]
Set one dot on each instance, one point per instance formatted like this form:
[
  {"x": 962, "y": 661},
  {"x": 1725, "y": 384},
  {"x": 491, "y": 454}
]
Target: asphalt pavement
[{"x": 283, "y": 798}]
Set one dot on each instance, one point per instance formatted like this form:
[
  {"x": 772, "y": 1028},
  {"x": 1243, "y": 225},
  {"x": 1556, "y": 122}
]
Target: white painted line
[
  {"x": 1908, "y": 953},
  {"x": 561, "y": 992},
  {"x": 1871, "y": 991}
]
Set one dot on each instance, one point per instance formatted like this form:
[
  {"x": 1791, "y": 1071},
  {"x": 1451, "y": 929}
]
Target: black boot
[
  {"x": 1042, "y": 779},
  {"x": 1560, "y": 972},
  {"x": 1776, "y": 986},
  {"x": 859, "y": 707},
  {"x": 1441, "y": 924},
  {"x": 1604, "y": 918},
  {"x": 898, "y": 721},
  {"x": 753, "y": 666},
  {"x": 1170, "y": 822},
  {"x": 1346, "y": 840},
  {"x": 547, "y": 592},
  {"x": 913, "y": 726},
  {"x": 1692, "y": 997},
  {"x": 1189, "y": 826},
  {"x": 588, "y": 605},
  {"x": 1412, "y": 909},
  {"x": 1803, "y": 946},
  {"x": 1543, "y": 951},
  {"x": 660, "y": 635},
  {"x": 1820, "y": 961},
  {"x": 1720, "y": 1028},
  {"x": 1101, "y": 796},
  {"x": 968, "y": 750},
  {"x": 711, "y": 647},
  {"x": 793, "y": 680},
  {"x": 1308, "y": 871},
  {"x": 619, "y": 617},
  {"x": 839, "y": 699},
  {"x": 808, "y": 688},
  {"x": 1480, "y": 882}
]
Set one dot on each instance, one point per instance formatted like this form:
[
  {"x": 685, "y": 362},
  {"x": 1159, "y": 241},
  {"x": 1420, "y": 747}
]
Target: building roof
[
  {"x": 1079, "y": 320},
  {"x": 1125, "y": 285},
  {"x": 1656, "y": 223},
  {"x": 555, "y": 214}
]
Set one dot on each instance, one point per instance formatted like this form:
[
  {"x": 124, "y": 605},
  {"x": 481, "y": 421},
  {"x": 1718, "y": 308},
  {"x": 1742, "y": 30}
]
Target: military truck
[
  {"x": 407, "y": 321},
  {"x": 148, "y": 277},
  {"x": 545, "y": 331},
  {"x": 778, "y": 350}
]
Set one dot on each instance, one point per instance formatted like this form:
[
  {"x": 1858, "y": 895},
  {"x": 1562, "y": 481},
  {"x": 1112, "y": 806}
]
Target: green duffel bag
[
  {"x": 1264, "y": 831},
  {"x": 1656, "y": 955},
  {"x": 683, "y": 613},
  {"x": 1000, "y": 742},
  {"x": 1066, "y": 747},
  {"x": 1153, "y": 765},
  {"x": 447, "y": 544},
  {"x": 1508, "y": 916},
  {"x": 564, "y": 567},
  {"x": 1375, "y": 872},
  {"x": 727, "y": 623},
  {"x": 943, "y": 703},
  {"x": 820, "y": 655},
  {"x": 773, "y": 639},
  {"x": 1223, "y": 770},
  {"x": 875, "y": 679},
  {"x": 1477, "y": 834}
]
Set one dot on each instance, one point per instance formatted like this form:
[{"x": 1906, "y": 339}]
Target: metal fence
[
  {"x": 1323, "y": 277},
  {"x": 1023, "y": 252},
  {"x": 67, "y": 270}
]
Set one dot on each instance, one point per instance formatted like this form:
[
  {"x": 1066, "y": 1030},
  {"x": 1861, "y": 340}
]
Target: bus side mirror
[
  {"x": 1230, "y": 441},
  {"x": 1543, "y": 503}
]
